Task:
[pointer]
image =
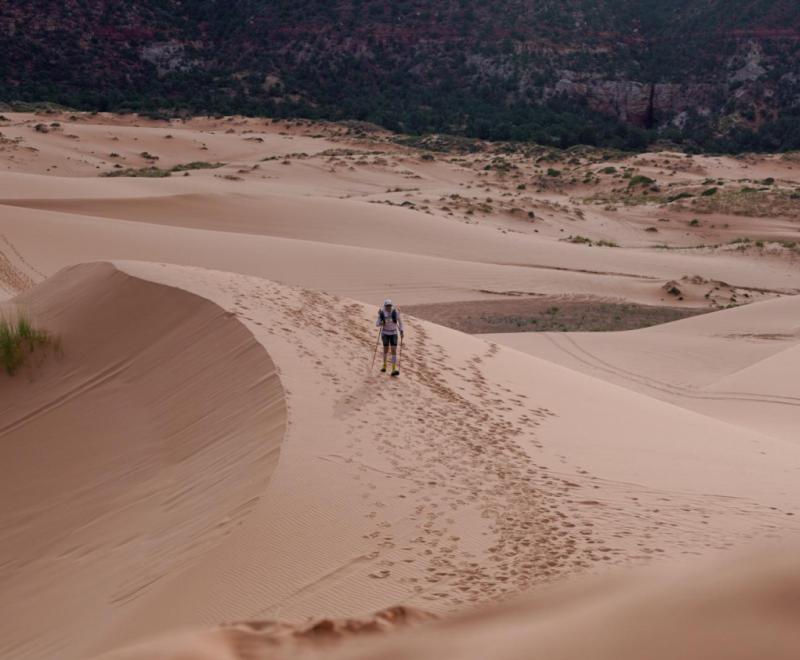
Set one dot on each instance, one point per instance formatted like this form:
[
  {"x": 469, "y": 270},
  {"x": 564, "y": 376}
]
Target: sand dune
[
  {"x": 735, "y": 365},
  {"x": 150, "y": 440},
  {"x": 211, "y": 446},
  {"x": 472, "y": 477},
  {"x": 338, "y": 192}
]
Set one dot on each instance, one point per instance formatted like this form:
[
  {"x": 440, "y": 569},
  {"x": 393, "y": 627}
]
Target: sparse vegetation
[
  {"x": 19, "y": 339},
  {"x": 580, "y": 240},
  {"x": 197, "y": 165},
  {"x": 535, "y": 314},
  {"x": 149, "y": 172},
  {"x": 640, "y": 180},
  {"x": 748, "y": 201},
  {"x": 157, "y": 172}
]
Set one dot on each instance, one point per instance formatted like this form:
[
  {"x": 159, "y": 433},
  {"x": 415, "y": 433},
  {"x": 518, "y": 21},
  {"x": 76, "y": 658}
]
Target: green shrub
[
  {"x": 19, "y": 339},
  {"x": 149, "y": 172},
  {"x": 640, "y": 180},
  {"x": 197, "y": 165}
]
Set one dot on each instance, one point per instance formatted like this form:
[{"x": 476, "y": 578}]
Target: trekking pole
[
  {"x": 399, "y": 353},
  {"x": 375, "y": 354}
]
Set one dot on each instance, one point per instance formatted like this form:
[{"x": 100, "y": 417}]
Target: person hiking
[{"x": 391, "y": 326}]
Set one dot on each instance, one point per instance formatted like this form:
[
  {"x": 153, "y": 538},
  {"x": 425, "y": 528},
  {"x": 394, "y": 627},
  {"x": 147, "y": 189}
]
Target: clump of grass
[
  {"x": 197, "y": 165},
  {"x": 19, "y": 338},
  {"x": 149, "y": 172},
  {"x": 580, "y": 240},
  {"x": 640, "y": 180},
  {"x": 679, "y": 196},
  {"x": 157, "y": 172}
]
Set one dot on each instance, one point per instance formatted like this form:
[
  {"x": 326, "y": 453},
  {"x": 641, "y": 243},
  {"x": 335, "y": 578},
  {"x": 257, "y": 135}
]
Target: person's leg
[{"x": 385, "y": 339}]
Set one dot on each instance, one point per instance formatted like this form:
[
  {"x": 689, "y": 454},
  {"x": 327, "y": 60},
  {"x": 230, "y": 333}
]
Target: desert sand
[{"x": 210, "y": 446}]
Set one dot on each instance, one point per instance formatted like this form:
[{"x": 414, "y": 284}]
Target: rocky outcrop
[{"x": 648, "y": 105}]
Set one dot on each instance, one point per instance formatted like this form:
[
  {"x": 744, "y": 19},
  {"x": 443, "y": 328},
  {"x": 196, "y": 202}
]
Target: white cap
[{"x": 387, "y": 303}]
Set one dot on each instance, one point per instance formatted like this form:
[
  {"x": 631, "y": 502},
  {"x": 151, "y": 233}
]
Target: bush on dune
[
  {"x": 19, "y": 339},
  {"x": 157, "y": 172}
]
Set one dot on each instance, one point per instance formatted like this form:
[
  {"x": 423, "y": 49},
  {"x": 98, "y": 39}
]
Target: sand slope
[
  {"x": 144, "y": 445},
  {"x": 733, "y": 610},
  {"x": 480, "y": 473},
  {"x": 212, "y": 447},
  {"x": 369, "y": 214},
  {"x": 736, "y": 365}
]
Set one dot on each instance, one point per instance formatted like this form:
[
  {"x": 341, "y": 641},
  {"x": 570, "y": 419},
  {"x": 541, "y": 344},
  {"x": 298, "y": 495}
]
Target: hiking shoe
[
  {"x": 396, "y": 372},
  {"x": 383, "y": 368}
]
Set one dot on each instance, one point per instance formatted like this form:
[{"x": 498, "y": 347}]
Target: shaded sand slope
[
  {"x": 730, "y": 610},
  {"x": 737, "y": 365},
  {"x": 480, "y": 473},
  {"x": 145, "y": 444}
]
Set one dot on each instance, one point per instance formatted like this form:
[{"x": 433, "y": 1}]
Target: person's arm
[{"x": 378, "y": 323}]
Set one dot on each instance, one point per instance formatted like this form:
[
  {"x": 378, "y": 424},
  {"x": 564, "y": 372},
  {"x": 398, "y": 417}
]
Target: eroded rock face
[{"x": 641, "y": 104}]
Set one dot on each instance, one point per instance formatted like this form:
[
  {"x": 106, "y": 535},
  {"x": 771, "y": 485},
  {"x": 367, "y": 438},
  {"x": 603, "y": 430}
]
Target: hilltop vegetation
[{"x": 712, "y": 75}]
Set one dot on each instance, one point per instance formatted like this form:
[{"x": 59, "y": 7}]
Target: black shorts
[{"x": 389, "y": 340}]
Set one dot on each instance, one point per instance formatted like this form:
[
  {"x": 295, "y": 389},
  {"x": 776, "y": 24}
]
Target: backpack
[{"x": 382, "y": 315}]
